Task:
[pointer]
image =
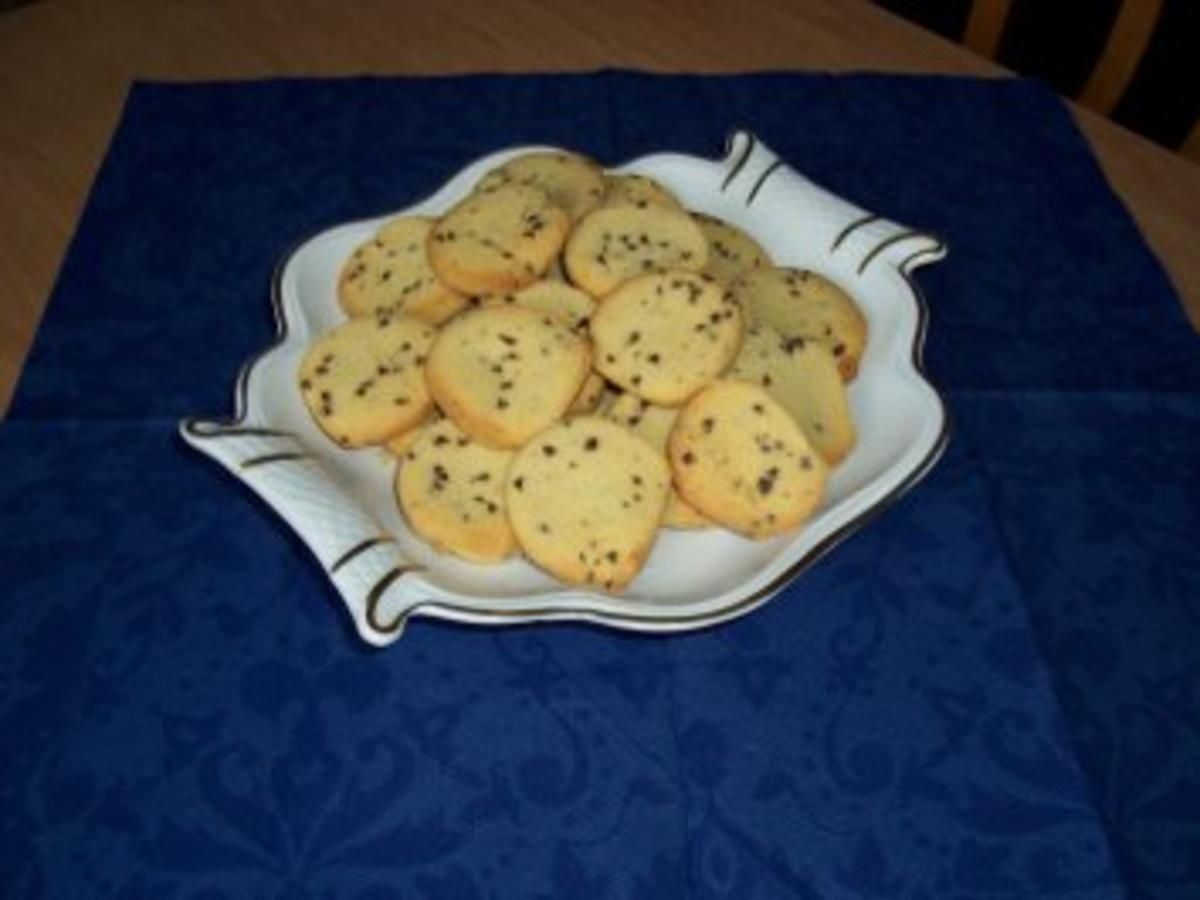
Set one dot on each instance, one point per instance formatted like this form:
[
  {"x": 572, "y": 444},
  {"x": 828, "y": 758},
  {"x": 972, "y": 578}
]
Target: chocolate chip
[{"x": 766, "y": 481}]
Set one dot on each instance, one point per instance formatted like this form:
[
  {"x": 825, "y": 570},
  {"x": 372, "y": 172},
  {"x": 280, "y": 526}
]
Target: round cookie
[
  {"x": 363, "y": 382},
  {"x": 451, "y": 491},
  {"x": 505, "y": 372},
  {"x": 637, "y": 190},
  {"x": 802, "y": 304},
  {"x": 556, "y": 297},
  {"x": 497, "y": 241},
  {"x": 571, "y": 181},
  {"x": 653, "y": 424},
  {"x": 740, "y": 458},
  {"x": 665, "y": 336},
  {"x": 730, "y": 250},
  {"x": 391, "y": 271},
  {"x": 585, "y": 498},
  {"x": 802, "y": 377},
  {"x": 617, "y": 243}
]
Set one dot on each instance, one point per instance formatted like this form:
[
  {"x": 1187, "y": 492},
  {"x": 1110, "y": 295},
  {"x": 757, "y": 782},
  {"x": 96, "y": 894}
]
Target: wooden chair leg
[
  {"x": 1191, "y": 144},
  {"x": 1123, "y": 51},
  {"x": 985, "y": 26}
]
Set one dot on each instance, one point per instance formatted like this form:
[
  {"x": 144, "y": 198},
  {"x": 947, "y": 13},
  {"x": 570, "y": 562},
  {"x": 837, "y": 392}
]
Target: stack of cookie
[{"x": 568, "y": 360}]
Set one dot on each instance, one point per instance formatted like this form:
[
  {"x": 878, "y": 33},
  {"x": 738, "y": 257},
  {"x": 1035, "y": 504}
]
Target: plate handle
[
  {"x": 379, "y": 585},
  {"x": 753, "y": 172}
]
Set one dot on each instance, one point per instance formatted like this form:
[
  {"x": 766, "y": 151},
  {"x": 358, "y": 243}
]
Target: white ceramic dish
[{"x": 341, "y": 504}]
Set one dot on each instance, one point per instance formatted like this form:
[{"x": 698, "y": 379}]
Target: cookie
[
  {"x": 572, "y": 182},
  {"x": 649, "y": 422},
  {"x": 617, "y": 243},
  {"x": 637, "y": 190},
  {"x": 741, "y": 459},
  {"x": 802, "y": 377},
  {"x": 497, "y": 241},
  {"x": 363, "y": 382},
  {"x": 665, "y": 336},
  {"x": 653, "y": 424},
  {"x": 730, "y": 250},
  {"x": 451, "y": 491},
  {"x": 589, "y": 396},
  {"x": 802, "y": 304},
  {"x": 391, "y": 271},
  {"x": 556, "y": 297},
  {"x": 585, "y": 498},
  {"x": 504, "y": 372}
]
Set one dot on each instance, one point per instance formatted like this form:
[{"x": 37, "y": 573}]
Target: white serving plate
[{"x": 341, "y": 503}]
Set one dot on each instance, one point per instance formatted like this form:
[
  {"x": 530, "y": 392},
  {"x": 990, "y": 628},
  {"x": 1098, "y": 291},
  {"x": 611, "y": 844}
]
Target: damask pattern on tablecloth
[
  {"x": 189, "y": 716},
  {"x": 1104, "y": 548}
]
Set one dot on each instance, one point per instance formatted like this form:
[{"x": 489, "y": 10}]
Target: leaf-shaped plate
[{"x": 341, "y": 502}]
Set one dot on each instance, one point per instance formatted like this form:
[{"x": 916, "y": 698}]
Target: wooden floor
[{"x": 65, "y": 66}]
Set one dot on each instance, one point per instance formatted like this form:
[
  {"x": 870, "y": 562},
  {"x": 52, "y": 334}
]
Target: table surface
[{"x": 65, "y": 66}]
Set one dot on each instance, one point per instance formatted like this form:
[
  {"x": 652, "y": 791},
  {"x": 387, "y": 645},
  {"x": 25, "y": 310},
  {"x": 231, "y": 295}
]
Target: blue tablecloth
[{"x": 992, "y": 692}]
